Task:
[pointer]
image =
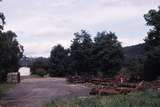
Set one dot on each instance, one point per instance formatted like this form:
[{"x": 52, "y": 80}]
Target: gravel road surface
[{"x": 35, "y": 92}]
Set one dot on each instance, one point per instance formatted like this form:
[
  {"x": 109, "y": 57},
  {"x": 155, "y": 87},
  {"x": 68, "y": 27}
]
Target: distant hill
[
  {"x": 28, "y": 61},
  {"x": 135, "y": 51}
]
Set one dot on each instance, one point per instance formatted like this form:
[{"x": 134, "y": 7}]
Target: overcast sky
[{"x": 41, "y": 24}]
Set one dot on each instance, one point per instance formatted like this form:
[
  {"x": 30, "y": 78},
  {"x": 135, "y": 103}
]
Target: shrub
[{"x": 40, "y": 72}]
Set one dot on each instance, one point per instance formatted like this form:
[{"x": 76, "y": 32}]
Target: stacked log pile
[
  {"x": 103, "y": 91},
  {"x": 111, "y": 90},
  {"x": 126, "y": 88},
  {"x": 75, "y": 79},
  {"x": 155, "y": 85},
  {"x": 109, "y": 86},
  {"x": 13, "y": 77}
]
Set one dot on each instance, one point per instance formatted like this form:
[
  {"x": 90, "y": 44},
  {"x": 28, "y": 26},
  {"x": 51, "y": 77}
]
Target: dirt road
[{"x": 35, "y": 92}]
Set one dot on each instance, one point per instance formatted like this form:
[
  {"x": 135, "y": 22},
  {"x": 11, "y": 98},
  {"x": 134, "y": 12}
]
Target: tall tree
[
  {"x": 2, "y": 20},
  {"x": 152, "y": 45},
  {"x": 58, "y": 61},
  {"x": 40, "y": 66},
  {"x": 81, "y": 49},
  {"x": 10, "y": 51},
  {"x": 153, "y": 19},
  {"x": 107, "y": 53}
]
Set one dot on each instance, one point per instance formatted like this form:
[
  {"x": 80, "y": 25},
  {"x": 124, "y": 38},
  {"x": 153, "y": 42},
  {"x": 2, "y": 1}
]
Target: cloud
[
  {"x": 40, "y": 24},
  {"x": 33, "y": 49},
  {"x": 137, "y": 3}
]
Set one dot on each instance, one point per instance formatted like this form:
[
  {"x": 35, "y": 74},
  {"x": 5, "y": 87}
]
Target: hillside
[{"x": 131, "y": 52}]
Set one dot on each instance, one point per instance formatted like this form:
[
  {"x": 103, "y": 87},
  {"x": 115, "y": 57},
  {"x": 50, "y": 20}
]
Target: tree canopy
[
  {"x": 58, "y": 61},
  {"x": 88, "y": 57},
  {"x": 152, "y": 45},
  {"x": 2, "y": 20},
  {"x": 107, "y": 53},
  {"x": 80, "y": 52},
  {"x": 10, "y": 51}
]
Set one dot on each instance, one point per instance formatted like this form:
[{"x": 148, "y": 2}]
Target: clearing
[{"x": 35, "y": 92}]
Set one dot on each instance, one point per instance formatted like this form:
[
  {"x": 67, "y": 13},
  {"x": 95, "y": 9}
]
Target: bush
[
  {"x": 39, "y": 63},
  {"x": 135, "y": 70},
  {"x": 55, "y": 73},
  {"x": 40, "y": 72}
]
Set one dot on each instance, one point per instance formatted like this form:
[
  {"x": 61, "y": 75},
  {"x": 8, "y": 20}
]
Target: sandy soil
[{"x": 35, "y": 92}]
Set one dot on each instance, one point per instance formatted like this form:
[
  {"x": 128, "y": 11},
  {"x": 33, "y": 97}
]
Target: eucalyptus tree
[{"x": 152, "y": 45}]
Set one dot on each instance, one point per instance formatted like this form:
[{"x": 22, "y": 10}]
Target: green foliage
[
  {"x": 10, "y": 53},
  {"x": 40, "y": 63},
  {"x": 107, "y": 53},
  {"x": 145, "y": 99},
  {"x": 58, "y": 61},
  {"x": 135, "y": 69},
  {"x": 41, "y": 72},
  {"x": 81, "y": 53},
  {"x": 2, "y": 18},
  {"x": 86, "y": 57},
  {"x": 152, "y": 45}
]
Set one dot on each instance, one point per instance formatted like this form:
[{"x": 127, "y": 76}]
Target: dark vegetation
[
  {"x": 92, "y": 60},
  {"x": 152, "y": 45},
  {"x": 40, "y": 66},
  {"x": 10, "y": 51},
  {"x": 87, "y": 56},
  {"x": 84, "y": 57},
  {"x": 104, "y": 56},
  {"x": 58, "y": 61}
]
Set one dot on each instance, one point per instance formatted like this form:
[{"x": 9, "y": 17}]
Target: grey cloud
[
  {"x": 129, "y": 2},
  {"x": 54, "y": 21}
]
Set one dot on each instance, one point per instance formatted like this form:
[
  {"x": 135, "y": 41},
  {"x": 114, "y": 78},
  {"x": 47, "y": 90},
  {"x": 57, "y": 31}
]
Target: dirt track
[{"x": 36, "y": 92}]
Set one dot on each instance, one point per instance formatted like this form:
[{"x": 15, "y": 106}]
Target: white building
[{"x": 24, "y": 71}]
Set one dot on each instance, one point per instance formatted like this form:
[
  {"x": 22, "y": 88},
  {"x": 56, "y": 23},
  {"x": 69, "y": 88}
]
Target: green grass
[
  {"x": 140, "y": 99},
  {"x": 4, "y": 88}
]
